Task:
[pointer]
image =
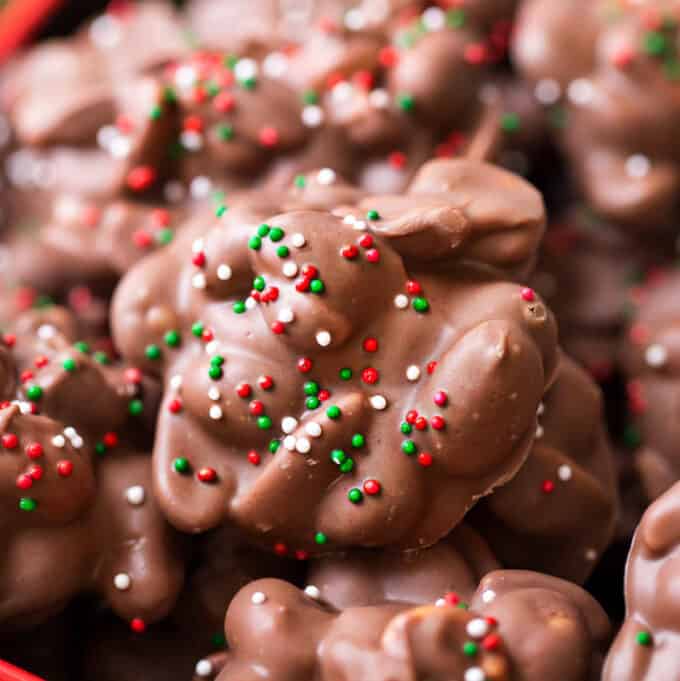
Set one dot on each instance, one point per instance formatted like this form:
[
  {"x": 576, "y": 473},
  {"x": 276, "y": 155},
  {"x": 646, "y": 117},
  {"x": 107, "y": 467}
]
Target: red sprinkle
[
  {"x": 24, "y": 482},
  {"x": 441, "y": 398},
  {"x": 9, "y": 441},
  {"x": 528, "y": 294},
  {"x": 309, "y": 271},
  {"x": 133, "y": 375},
  {"x": 425, "y": 459},
  {"x": 388, "y": 57},
  {"x": 141, "y": 178},
  {"x": 349, "y": 252},
  {"x": 175, "y": 406},
  {"x": 64, "y": 468},
  {"x": 265, "y": 382},
  {"x": 431, "y": 366},
  {"x": 256, "y": 408},
  {"x": 491, "y": 642},
  {"x": 411, "y": 416},
  {"x": 324, "y": 395},
  {"x": 370, "y": 344},
  {"x": 194, "y": 123},
  {"x": 437, "y": 422},
  {"x": 198, "y": 259},
  {"x": 34, "y": 450},
  {"x": 207, "y": 474},
  {"x": 269, "y": 136},
  {"x": 278, "y": 327},
  {"x": 224, "y": 102},
  {"x": 413, "y": 287},
  {"x": 36, "y": 472},
  {"x": 243, "y": 390},
  {"x": 370, "y": 375},
  {"x": 138, "y": 625},
  {"x": 304, "y": 365},
  {"x": 366, "y": 241},
  {"x": 397, "y": 159},
  {"x": 280, "y": 549},
  {"x": 451, "y": 598},
  {"x": 548, "y": 486},
  {"x": 110, "y": 439},
  {"x": 41, "y": 361},
  {"x": 372, "y": 487},
  {"x": 9, "y": 339},
  {"x": 373, "y": 255},
  {"x": 254, "y": 457},
  {"x": 421, "y": 423}
]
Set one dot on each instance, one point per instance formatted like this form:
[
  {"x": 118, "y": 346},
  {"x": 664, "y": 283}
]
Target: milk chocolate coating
[
  {"x": 487, "y": 340},
  {"x": 558, "y": 514},
  {"x": 616, "y": 65},
  {"x": 647, "y": 645},
  {"x": 519, "y": 625},
  {"x": 651, "y": 361}
]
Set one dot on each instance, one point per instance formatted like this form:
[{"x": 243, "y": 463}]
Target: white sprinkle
[
  {"x": 59, "y": 441},
  {"x": 326, "y": 176},
  {"x": 401, "y": 301},
  {"x": 349, "y": 219},
  {"x": 354, "y": 19},
  {"x": 122, "y": 581},
  {"x": 488, "y": 595},
  {"x": 379, "y": 98},
  {"x": 105, "y": 31},
  {"x": 215, "y": 412},
  {"x": 360, "y": 225},
  {"x": 135, "y": 495},
  {"x": 440, "y": 602},
  {"x": 275, "y": 64},
  {"x": 312, "y": 116},
  {"x": 203, "y": 668},
  {"x": 211, "y": 348},
  {"x": 298, "y": 240},
  {"x": 580, "y": 91},
  {"x": 638, "y": 166},
  {"x": 564, "y": 472},
  {"x": 245, "y": 69},
  {"x": 342, "y": 92},
  {"x": 591, "y": 554},
  {"x": 46, "y": 331},
  {"x": 290, "y": 269},
  {"x": 120, "y": 146},
  {"x": 378, "y": 402},
  {"x": 313, "y": 592},
  {"x": 258, "y": 598},
  {"x": 539, "y": 431},
  {"x": 288, "y": 424},
  {"x": 412, "y": 372},
  {"x": 197, "y": 246},
  {"x": 289, "y": 442},
  {"x": 214, "y": 393},
  {"x": 541, "y": 409},
  {"x": 25, "y": 408},
  {"x": 656, "y": 355},
  {"x": 105, "y": 135},
  {"x": 200, "y": 187},
  {"x": 70, "y": 432},
  {"x": 174, "y": 191},
  {"x": 477, "y": 628},
  {"x": 303, "y": 445},
  {"x": 191, "y": 140},
  {"x": 251, "y": 303},
  {"x": 77, "y": 442},
  {"x": 176, "y": 382},
  {"x": 475, "y": 674},
  {"x": 185, "y": 77},
  {"x": 199, "y": 280},
  {"x": 224, "y": 272},
  {"x": 286, "y": 315},
  {"x": 323, "y": 338},
  {"x": 547, "y": 91},
  {"x": 433, "y": 19},
  {"x": 313, "y": 429}
]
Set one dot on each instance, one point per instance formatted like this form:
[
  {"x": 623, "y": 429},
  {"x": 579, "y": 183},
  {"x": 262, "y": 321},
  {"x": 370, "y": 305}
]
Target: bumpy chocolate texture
[
  {"x": 328, "y": 374},
  {"x": 651, "y": 361},
  {"x": 646, "y": 648},
  {"x": 374, "y": 101},
  {"x": 519, "y": 625},
  {"x": 73, "y": 497},
  {"x": 618, "y": 69}
]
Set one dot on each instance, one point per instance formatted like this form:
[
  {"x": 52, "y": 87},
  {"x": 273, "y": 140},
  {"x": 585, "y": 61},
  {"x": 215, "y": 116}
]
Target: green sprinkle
[
  {"x": 101, "y": 357},
  {"x": 259, "y": 283},
  {"x": 172, "y": 338},
  {"x": 510, "y": 122},
  {"x": 355, "y": 495},
  {"x": 217, "y": 360},
  {"x": 643, "y": 638},
  {"x": 310, "y": 97},
  {"x": 263, "y": 230},
  {"x": 320, "y": 538},
  {"x": 215, "y": 373},
  {"x": 136, "y": 407},
  {"x": 248, "y": 83},
  {"x": 27, "y": 504},
  {"x": 420, "y": 304},
  {"x": 347, "y": 466},
  {"x": 155, "y": 113},
  {"x": 632, "y": 437},
  {"x": 406, "y": 428},
  {"x": 338, "y": 456},
  {"x": 358, "y": 441},
  {"x": 274, "y": 446},
  {"x": 239, "y": 307},
  {"x": 197, "y": 329},
  {"x": 409, "y": 447},
  {"x": 406, "y": 102},
  {"x": 220, "y": 210},
  {"x": 276, "y": 234},
  {"x": 255, "y": 243},
  {"x": 34, "y": 393},
  {"x": 100, "y": 448},
  {"x": 152, "y": 352},
  {"x": 283, "y": 251},
  {"x": 312, "y": 402},
  {"x": 469, "y": 649},
  {"x": 671, "y": 69},
  {"x": 69, "y": 364},
  {"x": 373, "y": 215},
  {"x": 317, "y": 286},
  {"x": 654, "y": 43},
  {"x": 165, "y": 236},
  {"x": 225, "y": 132},
  {"x": 311, "y": 388},
  {"x": 230, "y": 61},
  {"x": 462, "y": 606},
  {"x": 264, "y": 422},
  {"x": 333, "y": 412},
  {"x": 169, "y": 95},
  {"x": 218, "y": 640},
  {"x": 82, "y": 346},
  {"x": 345, "y": 374},
  {"x": 212, "y": 88},
  {"x": 181, "y": 465},
  {"x": 300, "y": 181},
  {"x": 455, "y": 18}
]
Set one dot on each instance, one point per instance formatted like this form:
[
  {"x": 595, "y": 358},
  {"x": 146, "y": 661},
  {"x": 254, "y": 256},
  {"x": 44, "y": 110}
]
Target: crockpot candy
[
  {"x": 327, "y": 375},
  {"x": 617, "y": 67},
  {"x": 651, "y": 360},
  {"x": 171, "y": 649},
  {"x": 646, "y": 648},
  {"x": 518, "y": 625}
]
